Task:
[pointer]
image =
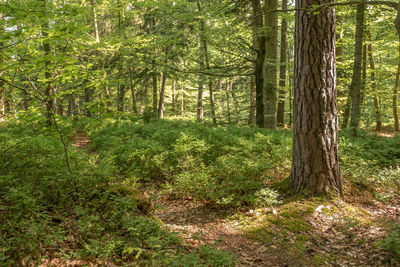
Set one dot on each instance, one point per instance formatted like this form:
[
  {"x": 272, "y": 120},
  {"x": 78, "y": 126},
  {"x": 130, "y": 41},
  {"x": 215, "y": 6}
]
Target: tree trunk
[
  {"x": 395, "y": 95},
  {"x": 270, "y": 68},
  {"x": 162, "y": 94},
  {"x": 133, "y": 92},
  {"x": 121, "y": 97},
  {"x": 183, "y": 102},
  {"x": 88, "y": 113},
  {"x": 315, "y": 161},
  {"x": 363, "y": 78},
  {"x": 252, "y": 113},
  {"x": 155, "y": 93},
  {"x": 280, "y": 117},
  {"x": 375, "y": 94},
  {"x": 228, "y": 107},
  {"x": 174, "y": 98},
  {"x": 339, "y": 41},
  {"x": 47, "y": 63},
  {"x": 258, "y": 25},
  {"x": 356, "y": 79}
]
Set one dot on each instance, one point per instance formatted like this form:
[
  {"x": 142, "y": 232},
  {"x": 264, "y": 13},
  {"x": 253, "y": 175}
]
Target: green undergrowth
[
  {"x": 96, "y": 212},
  {"x": 90, "y": 213},
  {"x": 225, "y": 165}
]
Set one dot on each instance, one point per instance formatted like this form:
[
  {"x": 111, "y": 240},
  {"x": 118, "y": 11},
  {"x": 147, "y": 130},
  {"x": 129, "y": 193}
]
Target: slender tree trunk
[
  {"x": 270, "y": 68},
  {"x": 183, "y": 102},
  {"x": 235, "y": 100},
  {"x": 356, "y": 79},
  {"x": 282, "y": 70},
  {"x": 133, "y": 92},
  {"x": 155, "y": 93},
  {"x": 174, "y": 98},
  {"x": 315, "y": 160},
  {"x": 95, "y": 24},
  {"x": 2, "y": 84},
  {"x": 162, "y": 94},
  {"x": 363, "y": 78},
  {"x": 375, "y": 94},
  {"x": 396, "y": 95},
  {"x": 88, "y": 113},
  {"x": 339, "y": 40},
  {"x": 228, "y": 107},
  {"x": 252, "y": 113},
  {"x": 47, "y": 63},
  {"x": 290, "y": 100},
  {"x": 258, "y": 25}
]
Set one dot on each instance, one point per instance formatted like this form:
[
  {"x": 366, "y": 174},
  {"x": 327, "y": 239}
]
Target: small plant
[
  {"x": 392, "y": 241},
  {"x": 267, "y": 197}
]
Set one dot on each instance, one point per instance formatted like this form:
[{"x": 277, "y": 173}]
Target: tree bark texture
[
  {"x": 315, "y": 161},
  {"x": 258, "y": 26},
  {"x": 280, "y": 117},
  {"x": 375, "y": 95},
  {"x": 270, "y": 68}
]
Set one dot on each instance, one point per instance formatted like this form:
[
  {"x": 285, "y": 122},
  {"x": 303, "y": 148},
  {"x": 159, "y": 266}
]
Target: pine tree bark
[
  {"x": 315, "y": 161},
  {"x": 282, "y": 70},
  {"x": 258, "y": 27},
  {"x": 356, "y": 78},
  {"x": 270, "y": 68}
]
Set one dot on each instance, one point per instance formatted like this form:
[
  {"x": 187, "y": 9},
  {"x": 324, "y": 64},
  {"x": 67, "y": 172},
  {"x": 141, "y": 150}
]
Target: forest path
[
  {"x": 200, "y": 225},
  {"x": 81, "y": 140}
]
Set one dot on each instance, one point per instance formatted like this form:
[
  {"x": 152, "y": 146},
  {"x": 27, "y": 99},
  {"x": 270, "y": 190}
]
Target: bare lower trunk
[
  {"x": 270, "y": 68},
  {"x": 378, "y": 116},
  {"x": 315, "y": 160},
  {"x": 356, "y": 79}
]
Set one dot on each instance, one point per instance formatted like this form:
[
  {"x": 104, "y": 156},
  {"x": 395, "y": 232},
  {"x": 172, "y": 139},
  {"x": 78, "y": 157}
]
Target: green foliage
[
  {"x": 89, "y": 213},
  {"x": 225, "y": 165},
  {"x": 392, "y": 241}
]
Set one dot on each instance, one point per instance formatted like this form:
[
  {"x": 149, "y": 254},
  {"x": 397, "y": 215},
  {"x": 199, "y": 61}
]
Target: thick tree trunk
[
  {"x": 315, "y": 161},
  {"x": 356, "y": 79},
  {"x": 258, "y": 25},
  {"x": 396, "y": 95},
  {"x": 162, "y": 94},
  {"x": 270, "y": 68},
  {"x": 282, "y": 70}
]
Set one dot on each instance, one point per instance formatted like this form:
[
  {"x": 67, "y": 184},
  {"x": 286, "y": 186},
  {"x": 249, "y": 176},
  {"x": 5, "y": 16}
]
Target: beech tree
[{"x": 315, "y": 161}]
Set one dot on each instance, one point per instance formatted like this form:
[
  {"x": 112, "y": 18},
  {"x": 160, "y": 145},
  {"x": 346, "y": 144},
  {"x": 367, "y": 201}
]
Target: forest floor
[{"x": 298, "y": 233}]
